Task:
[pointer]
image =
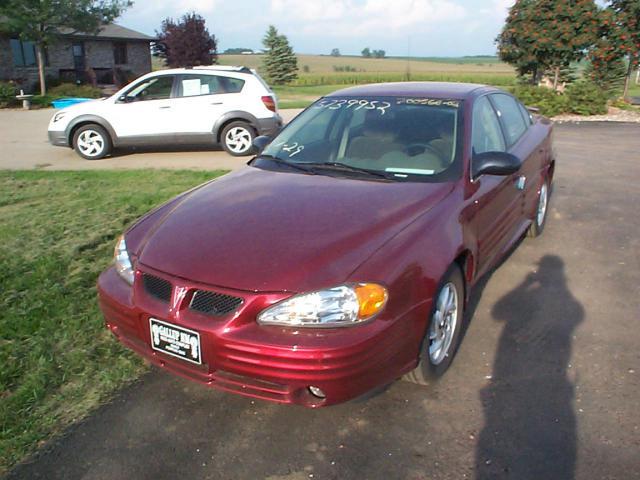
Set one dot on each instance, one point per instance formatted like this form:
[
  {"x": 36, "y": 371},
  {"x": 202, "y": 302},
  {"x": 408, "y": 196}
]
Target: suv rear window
[{"x": 194, "y": 85}]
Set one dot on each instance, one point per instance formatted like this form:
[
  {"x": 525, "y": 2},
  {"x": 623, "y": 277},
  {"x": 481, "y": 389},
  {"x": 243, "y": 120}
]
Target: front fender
[
  {"x": 89, "y": 118},
  {"x": 413, "y": 263}
]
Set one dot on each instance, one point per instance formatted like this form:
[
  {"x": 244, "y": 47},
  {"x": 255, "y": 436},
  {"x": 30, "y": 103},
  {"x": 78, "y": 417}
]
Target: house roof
[{"x": 110, "y": 31}]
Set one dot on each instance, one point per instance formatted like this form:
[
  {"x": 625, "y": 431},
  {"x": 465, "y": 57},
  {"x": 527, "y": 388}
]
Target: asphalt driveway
[
  {"x": 545, "y": 386},
  {"x": 24, "y": 145}
]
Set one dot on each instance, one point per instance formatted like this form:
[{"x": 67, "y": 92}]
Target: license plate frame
[{"x": 176, "y": 341}]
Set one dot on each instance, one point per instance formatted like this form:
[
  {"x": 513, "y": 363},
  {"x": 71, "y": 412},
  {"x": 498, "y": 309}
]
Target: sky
[{"x": 426, "y": 28}]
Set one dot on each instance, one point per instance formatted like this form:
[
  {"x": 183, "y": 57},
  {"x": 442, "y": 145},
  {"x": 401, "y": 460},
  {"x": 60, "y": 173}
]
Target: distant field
[
  {"x": 317, "y": 75},
  {"x": 319, "y": 64}
]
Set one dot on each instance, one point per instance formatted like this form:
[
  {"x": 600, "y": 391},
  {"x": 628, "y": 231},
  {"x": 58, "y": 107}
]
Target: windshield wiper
[
  {"x": 281, "y": 161},
  {"x": 349, "y": 168}
]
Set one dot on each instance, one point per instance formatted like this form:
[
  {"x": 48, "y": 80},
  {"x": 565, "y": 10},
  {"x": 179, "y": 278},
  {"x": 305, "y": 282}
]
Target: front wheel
[
  {"x": 237, "y": 139},
  {"x": 443, "y": 333},
  {"x": 537, "y": 226},
  {"x": 92, "y": 142}
]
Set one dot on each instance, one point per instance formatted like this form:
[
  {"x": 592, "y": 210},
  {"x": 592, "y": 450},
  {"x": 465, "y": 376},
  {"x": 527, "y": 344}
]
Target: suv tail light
[{"x": 269, "y": 102}]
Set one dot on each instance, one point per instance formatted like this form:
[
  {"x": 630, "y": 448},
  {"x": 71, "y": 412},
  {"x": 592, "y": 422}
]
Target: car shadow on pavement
[
  {"x": 126, "y": 151},
  {"x": 530, "y": 425}
]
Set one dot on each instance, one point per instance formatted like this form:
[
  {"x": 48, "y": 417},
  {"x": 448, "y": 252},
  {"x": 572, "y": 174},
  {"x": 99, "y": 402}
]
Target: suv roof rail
[{"x": 225, "y": 68}]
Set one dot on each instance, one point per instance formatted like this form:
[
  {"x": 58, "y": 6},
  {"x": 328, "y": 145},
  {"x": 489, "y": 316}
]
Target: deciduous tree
[
  {"x": 547, "y": 35},
  {"x": 41, "y": 21},
  {"x": 186, "y": 42}
]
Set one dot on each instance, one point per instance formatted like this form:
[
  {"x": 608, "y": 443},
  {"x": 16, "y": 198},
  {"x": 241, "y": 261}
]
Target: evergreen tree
[
  {"x": 280, "y": 62},
  {"x": 622, "y": 36},
  {"x": 547, "y": 35}
]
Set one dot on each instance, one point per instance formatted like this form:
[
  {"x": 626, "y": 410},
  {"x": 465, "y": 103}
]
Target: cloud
[{"x": 371, "y": 17}]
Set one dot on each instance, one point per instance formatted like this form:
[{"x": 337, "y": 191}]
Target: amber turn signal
[{"x": 371, "y": 298}]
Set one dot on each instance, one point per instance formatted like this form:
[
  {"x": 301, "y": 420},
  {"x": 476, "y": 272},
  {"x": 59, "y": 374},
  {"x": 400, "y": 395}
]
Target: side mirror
[
  {"x": 494, "y": 163},
  {"x": 124, "y": 99},
  {"x": 261, "y": 142}
]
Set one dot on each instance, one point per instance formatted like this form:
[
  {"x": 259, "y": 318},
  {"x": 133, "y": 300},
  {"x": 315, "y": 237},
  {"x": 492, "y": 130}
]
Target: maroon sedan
[{"x": 343, "y": 257}]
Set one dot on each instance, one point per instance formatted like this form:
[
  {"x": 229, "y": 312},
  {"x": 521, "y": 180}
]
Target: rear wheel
[
  {"x": 92, "y": 142},
  {"x": 237, "y": 139},
  {"x": 537, "y": 226},
  {"x": 443, "y": 333}
]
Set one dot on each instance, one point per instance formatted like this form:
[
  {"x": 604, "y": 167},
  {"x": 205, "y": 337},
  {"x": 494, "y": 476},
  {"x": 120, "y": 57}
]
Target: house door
[{"x": 79, "y": 60}]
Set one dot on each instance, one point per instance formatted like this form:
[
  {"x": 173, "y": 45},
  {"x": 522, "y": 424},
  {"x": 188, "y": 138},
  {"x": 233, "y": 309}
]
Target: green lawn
[{"x": 58, "y": 231}]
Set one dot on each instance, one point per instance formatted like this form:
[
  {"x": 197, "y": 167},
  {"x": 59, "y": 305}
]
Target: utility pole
[{"x": 409, "y": 58}]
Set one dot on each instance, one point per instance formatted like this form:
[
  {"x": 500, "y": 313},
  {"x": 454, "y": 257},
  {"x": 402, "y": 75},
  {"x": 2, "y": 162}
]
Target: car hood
[{"x": 261, "y": 230}]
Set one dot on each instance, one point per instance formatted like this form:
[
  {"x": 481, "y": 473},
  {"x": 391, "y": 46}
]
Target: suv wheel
[
  {"x": 237, "y": 139},
  {"x": 92, "y": 142}
]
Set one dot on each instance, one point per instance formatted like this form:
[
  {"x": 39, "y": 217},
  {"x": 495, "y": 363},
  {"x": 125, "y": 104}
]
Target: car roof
[
  {"x": 208, "y": 68},
  {"x": 449, "y": 90}
]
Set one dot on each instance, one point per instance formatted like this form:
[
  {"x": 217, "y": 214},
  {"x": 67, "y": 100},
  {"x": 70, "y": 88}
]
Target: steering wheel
[{"x": 417, "y": 148}]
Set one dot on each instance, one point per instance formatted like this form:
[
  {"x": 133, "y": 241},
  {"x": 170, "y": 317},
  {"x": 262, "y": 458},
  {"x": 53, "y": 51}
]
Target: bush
[
  {"x": 71, "y": 90},
  {"x": 549, "y": 102},
  {"x": 8, "y": 92},
  {"x": 586, "y": 98}
]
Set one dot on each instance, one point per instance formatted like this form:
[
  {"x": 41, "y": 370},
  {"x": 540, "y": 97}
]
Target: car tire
[
  {"x": 92, "y": 142},
  {"x": 542, "y": 208},
  {"x": 443, "y": 335},
  {"x": 237, "y": 139}
]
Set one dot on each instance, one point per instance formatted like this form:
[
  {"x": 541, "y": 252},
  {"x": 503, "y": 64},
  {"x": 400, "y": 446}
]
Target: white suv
[{"x": 228, "y": 106}]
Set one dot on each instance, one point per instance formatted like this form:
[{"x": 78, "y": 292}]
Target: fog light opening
[{"x": 317, "y": 392}]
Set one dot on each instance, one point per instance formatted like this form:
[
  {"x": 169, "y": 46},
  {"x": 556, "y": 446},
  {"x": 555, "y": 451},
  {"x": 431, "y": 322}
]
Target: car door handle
[
  {"x": 216, "y": 103},
  {"x": 164, "y": 107}
]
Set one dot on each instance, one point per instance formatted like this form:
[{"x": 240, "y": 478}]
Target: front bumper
[
  {"x": 58, "y": 138},
  {"x": 271, "y": 363}
]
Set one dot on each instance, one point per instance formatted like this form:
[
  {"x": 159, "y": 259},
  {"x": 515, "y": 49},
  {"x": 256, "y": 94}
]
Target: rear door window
[
  {"x": 195, "y": 85},
  {"x": 528, "y": 119},
  {"x": 510, "y": 116}
]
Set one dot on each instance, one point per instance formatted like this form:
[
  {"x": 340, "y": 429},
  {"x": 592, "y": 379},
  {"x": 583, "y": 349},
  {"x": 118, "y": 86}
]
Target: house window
[
  {"x": 120, "y": 53},
  {"x": 24, "y": 53}
]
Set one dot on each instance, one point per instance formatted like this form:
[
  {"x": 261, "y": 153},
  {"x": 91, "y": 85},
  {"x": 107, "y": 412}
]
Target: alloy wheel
[
  {"x": 443, "y": 324},
  {"x": 91, "y": 143},
  {"x": 238, "y": 140}
]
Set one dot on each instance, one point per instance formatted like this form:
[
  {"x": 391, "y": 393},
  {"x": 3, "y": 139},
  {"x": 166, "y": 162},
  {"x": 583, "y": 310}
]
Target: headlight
[
  {"x": 59, "y": 116},
  {"x": 122, "y": 261},
  {"x": 341, "y": 306}
]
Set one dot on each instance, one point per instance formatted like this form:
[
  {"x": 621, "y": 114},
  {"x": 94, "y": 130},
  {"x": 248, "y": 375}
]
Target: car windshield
[{"x": 414, "y": 139}]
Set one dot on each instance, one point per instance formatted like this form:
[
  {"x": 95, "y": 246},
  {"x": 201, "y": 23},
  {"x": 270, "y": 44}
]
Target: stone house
[{"x": 104, "y": 58}]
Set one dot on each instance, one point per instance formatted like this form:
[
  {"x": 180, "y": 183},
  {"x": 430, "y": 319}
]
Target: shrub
[
  {"x": 8, "y": 92},
  {"x": 71, "y": 90},
  {"x": 549, "y": 102},
  {"x": 586, "y": 98}
]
